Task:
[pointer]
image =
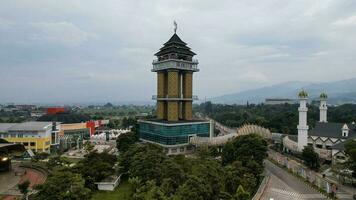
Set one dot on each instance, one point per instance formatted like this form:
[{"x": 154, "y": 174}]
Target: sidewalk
[{"x": 348, "y": 189}]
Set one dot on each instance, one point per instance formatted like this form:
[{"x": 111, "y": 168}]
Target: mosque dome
[
  {"x": 303, "y": 94},
  {"x": 323, "y": 95}
]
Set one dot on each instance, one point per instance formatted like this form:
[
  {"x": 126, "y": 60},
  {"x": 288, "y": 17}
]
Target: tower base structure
[
  {"x": 173, "y": 136},
  {"x": 302, "y": 137}
]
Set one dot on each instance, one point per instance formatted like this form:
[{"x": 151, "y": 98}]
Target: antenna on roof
[{"x": 175, "y": 26}]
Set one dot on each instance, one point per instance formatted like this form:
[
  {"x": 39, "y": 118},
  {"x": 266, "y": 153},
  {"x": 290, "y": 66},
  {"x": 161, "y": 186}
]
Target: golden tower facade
[
  {"x": 174, "y": 126},
  {"x": 174, "y": 67}
]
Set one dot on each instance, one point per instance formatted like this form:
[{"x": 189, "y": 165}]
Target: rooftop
[
  {"x": 11, "y": 147},
  {"x": 332, "y": 130},
  {"x": 30, "y": 126},
  {"x": 341, "y": 145},
  {"x": 175, "y": 122},
  {"x": 175, "y": 45},
  {"x": 4, "y": 127}
]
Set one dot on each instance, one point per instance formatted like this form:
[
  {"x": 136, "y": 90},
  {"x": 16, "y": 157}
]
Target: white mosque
[{"x": 327, "y": 138}]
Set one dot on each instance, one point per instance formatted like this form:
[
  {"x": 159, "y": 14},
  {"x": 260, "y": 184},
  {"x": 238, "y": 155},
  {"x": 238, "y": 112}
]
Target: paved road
[{"x": 283, "y": 185}]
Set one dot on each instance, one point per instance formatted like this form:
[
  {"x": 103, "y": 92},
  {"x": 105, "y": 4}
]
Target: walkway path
[
  {"x": 9, "y": 181},
  {"x": 226, "y": 133}
]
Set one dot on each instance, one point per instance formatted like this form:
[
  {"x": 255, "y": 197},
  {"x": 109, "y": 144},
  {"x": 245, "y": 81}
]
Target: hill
[{"x": 339, "y": 92}]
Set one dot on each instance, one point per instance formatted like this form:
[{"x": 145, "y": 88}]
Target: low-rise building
[
  {"x": 338, "y": 152},
  {"x": 278, "y": 101},
  {"x": 109, "y": 183},
  {"x": 73, "y": 135},
  {"x": 37, "y": 136},
  {"x": 326, "y": 135}
]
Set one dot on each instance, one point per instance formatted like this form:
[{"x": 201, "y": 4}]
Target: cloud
[
  {"x": 253, "y": 77},
  {"x": 103, "y": 50},
  {"x": 61, "y": 32},
  {"x": 5, "y": 24},
  {"x": 350, "y": 21}
]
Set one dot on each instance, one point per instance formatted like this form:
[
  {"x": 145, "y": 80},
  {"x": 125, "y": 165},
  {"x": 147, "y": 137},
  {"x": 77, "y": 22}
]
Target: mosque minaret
[
  {"x": 323, "y": 108},
  {"x": 302, "y": 126}
]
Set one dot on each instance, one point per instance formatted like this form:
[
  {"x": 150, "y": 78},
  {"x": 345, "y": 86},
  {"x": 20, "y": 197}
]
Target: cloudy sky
[{"x": 102, "y": 50}]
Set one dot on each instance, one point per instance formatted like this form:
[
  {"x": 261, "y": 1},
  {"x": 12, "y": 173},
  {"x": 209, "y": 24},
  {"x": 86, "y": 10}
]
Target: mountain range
[{"x": 339, "y": 92}]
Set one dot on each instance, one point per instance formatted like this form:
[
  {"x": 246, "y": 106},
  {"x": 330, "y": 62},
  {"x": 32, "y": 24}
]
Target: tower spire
[{"x": 175, "y": 26}]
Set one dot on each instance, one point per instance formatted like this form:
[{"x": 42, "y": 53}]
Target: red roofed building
[{"x": 55, "y": 110}]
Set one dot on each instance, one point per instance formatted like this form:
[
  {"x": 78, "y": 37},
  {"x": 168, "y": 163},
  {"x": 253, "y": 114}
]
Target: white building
[
  {"x": 109, "y": 183},
  {"x": 278, "y": 101}
]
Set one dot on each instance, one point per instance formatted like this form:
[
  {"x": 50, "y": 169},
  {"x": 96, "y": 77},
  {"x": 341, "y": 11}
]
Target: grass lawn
[{"x": 123, "y": 191}]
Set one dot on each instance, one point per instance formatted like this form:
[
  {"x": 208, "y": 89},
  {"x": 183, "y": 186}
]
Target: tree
[
  {"x": 108, "y": 105},
  {"x": 245, "y": 148},
  {"x": 23, "y": 187},
  {"x": 154, "y": 175},
  {"x": 127, "y": 122},
  {"x": 65, "y": 117},
  {"x": 311, "y": 158},
  {"x": 173, "y": 176},
  {"x": 124, "y": 141},
  {"x": 88, "y": 147},
  {"x": 193, "y": 188},
  {"x": 147, "y": 164},
  {"x": 211, "y": 173},
  {"x": 350, "y": 150},
  {"x": 208, "y": 108},
  {"x": 149, "y": 191},
  {"x": 63, "y": 185},
  {"x": 57, "y": 162},
  {"x": 241, "y": 194},
  {"x": 114, "y": 123},
  {"x": 95, "y": 167},
  {"x": 135, "y": 182}
]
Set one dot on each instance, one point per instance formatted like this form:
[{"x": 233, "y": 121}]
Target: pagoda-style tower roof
[{"x": 175, "y": 46}]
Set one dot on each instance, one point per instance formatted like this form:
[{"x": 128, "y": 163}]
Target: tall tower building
[
  {"x": 323, "y": 107},
  {"x": 174, "y": 67},
  {"x": 174, "y": 123},
  {"x": 302, "y": 127}
]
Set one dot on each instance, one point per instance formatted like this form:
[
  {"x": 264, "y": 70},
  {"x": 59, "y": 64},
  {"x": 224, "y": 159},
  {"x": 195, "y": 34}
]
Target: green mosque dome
[
  {"x": 323, "y": 96},
  {"x": 303, "y": 94}
]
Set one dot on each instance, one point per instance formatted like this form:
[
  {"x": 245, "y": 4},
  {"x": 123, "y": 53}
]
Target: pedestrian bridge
[{"x": 221, "y": 140}]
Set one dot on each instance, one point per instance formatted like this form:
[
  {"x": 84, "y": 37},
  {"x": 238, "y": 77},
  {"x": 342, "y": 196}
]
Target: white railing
[
  {"x": 182, "y": 98},
  {"x": 192, "y": 61},
  {"x": 214, "y": 141},
  {"x": 221, "y": 140},
  {"x": 175, "y": 64}
]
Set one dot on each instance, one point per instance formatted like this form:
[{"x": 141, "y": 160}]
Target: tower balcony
[
  {"x": 167, "y": 98},
  {"x": 159, "y": 65}
]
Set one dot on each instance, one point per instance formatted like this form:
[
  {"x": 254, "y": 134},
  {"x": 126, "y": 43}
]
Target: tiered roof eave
[{"x": 175, "y": 45}]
